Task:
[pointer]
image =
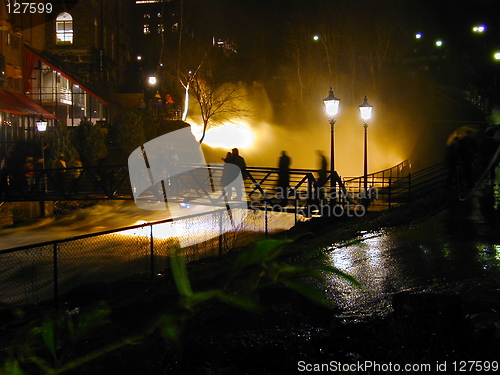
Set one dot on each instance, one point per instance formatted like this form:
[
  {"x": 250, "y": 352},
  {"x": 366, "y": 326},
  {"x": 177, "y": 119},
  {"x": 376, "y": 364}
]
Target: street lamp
[
  {"x": 365, "y": 110},
  {"x": 41, "y": 126},
  {"x": 332, "y": 109}
]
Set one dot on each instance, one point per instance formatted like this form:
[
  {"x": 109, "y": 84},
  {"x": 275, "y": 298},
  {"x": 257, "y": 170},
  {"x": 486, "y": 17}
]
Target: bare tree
[{"x": 220, "y": 97}]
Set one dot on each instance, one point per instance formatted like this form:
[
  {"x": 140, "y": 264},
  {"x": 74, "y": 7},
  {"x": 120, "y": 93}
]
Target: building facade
[{"x": 66, "y": 63}]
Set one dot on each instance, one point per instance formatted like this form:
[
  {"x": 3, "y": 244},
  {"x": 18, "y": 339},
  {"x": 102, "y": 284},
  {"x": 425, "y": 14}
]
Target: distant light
[
  {"x": 316, "y": 37},
  {"x": 479, "y": 29},
  {"x": 439, "y": 43},
  {"x": 152, "y": 80},
  {"x": 496, "y": 55},
  {"x": 418, "y": 36},
  {"x": 139, "y": 58}
]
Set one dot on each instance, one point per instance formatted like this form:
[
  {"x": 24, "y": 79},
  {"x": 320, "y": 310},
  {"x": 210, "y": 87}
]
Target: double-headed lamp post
[
  {"x": 365, "y": 110},
  {"x": 332, "y": 109}
]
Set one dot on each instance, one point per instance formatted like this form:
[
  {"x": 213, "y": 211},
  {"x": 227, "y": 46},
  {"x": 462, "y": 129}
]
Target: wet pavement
[{"x": 455, "y": 252}]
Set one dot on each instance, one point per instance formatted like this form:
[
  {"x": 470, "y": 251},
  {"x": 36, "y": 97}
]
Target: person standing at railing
[
  {"x": 283, "y": 187},
  {"x": 322, "y": 176},
  {"x": 239, "y": 161},
  {"x": 229, "y": 175}
]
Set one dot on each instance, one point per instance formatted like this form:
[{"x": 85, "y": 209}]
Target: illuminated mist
[{"x": 261, "y": 140}]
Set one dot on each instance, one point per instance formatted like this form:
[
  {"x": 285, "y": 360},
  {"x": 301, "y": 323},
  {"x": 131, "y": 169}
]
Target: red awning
[{"x": 19, "y": 104}]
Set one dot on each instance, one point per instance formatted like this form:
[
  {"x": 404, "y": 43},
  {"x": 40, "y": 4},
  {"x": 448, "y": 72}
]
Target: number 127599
[{"x": 26, "y": 8}]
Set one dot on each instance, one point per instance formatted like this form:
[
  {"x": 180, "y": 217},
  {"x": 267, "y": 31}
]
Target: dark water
[{"x": 454, "y": 251}]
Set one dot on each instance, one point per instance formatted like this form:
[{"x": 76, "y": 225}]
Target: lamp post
[
  {"x": 332, "y": 109},
  {"x": 365, "y": 110},
  {"x": 41, "y": 126}
]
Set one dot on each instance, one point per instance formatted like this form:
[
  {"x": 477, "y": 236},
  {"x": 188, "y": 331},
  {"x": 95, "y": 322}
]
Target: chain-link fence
[{"x": 41, "y": 272}]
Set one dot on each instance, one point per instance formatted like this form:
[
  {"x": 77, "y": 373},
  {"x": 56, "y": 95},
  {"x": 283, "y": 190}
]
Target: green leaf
[
  {"x": 200, "y": 297},
  {"x": 180, "y": 275},
  {"x": 49, "y": 337},
  {"x": 85, "y": 324},
  {"x": 170, "y": 327},
  {"x": 11, "y": 367},
  {"x": 245, "y": 302},
  {"x": 307, "y": 291},
  {"x": 262, "y": 251}
]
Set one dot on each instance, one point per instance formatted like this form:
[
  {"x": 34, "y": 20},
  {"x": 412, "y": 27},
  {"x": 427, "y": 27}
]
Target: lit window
[
  {"x": 64, "y": 29},
  {"x": 145, "y": 29},
  {"x": 161, "y": 29}
]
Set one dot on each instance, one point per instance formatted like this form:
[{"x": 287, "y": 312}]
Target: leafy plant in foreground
[
  {"x": 259, "y": 267},
  {"x": 54, "y": 345}
]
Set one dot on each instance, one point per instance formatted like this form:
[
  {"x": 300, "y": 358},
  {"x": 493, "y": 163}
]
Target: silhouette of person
[
  {"x": 467, "y": 153},
  {"x": 225, "y": 180},
  {"x": 323, "y": 169},
  {"x": 322, "y": 176},
  {"x": 283, "y": 177},
  {"x": 237, "y": 160},
  {"x": 452, "y": 161},
  {"x": 231, "y": 175}
]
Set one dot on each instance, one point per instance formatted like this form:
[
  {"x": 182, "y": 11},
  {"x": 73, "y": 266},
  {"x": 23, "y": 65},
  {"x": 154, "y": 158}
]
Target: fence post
[
  {"x": 56, "y": 277},
  {"x": 152, "y": 251}
]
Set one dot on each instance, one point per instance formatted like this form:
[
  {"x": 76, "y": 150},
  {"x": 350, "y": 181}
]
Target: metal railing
[
  {"x": 390, "y": 187},
  {"x": 45, "y": 271},
  {"x": 398, "y": 185}
]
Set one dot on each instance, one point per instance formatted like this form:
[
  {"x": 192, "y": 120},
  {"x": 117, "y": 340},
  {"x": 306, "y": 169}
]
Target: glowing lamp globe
[
  {"x": 365, "y": 110},
  {"x": 41, "y": 125},
  {"x": 331, "y": 105}
]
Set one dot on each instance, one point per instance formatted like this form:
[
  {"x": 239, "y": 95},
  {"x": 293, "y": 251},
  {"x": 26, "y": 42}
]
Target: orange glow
[{"x": 229, "y": 135}]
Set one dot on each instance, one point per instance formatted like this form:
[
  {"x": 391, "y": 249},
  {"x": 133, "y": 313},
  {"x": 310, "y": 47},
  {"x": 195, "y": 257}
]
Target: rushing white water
[{"x": 27, "y": 276}]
